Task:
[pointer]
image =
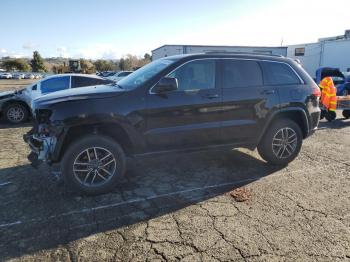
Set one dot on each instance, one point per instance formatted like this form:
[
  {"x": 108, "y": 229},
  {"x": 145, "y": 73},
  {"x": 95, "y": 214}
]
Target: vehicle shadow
[
  {"x": 5, "y": 125},
  {"x": 338, "y": 123},
  {"x": 39, "y": 214}
]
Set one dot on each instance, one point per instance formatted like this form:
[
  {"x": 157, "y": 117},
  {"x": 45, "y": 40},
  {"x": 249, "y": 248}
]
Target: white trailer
[{"x": 328, "y": 52}]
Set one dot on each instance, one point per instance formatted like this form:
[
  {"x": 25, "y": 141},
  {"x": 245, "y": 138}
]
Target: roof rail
[{"x": 239, "y": 53}]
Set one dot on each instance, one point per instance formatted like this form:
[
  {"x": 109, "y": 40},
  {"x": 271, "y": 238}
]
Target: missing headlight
[{"x": 43, "y": 116}]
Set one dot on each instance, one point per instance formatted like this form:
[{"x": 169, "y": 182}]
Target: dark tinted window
[
  {"x": 278, "y": 74},
  {"x": 80, "y": 81},
  {"x": 196, "y": 75},
  {"x": 55, "y": 84},
  {"x": 34, "y": 87},
  {"x": 241, "y": 73}
]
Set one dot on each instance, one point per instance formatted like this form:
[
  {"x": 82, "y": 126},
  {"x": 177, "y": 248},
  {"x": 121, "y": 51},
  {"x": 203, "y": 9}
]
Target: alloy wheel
[
  {"x": 15, "y": 114},
  {"x": 94, "y": 166},
  {"x": 284, "y": 143}
]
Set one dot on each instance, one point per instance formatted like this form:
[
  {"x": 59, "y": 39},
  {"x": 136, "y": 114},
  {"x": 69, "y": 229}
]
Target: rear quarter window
[
  {"x": 81, "y": 81},
  {"x": 279, "y": 74}
]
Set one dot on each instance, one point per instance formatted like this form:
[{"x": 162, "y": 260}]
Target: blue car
[{"x": 341, "y": 82}]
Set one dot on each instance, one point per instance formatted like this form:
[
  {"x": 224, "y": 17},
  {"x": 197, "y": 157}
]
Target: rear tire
[
  {"x": 16, "y": 113},
  {"x": 281, "y": 143},
  {"x": 93, "y": 165},
  {"x": 346, "y": 114}
]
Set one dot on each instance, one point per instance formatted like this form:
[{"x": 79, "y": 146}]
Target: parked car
[
  {"x": 176, "y": 104},
  {"x": 28, "y": 76},
  {"x": 119, "y": 75},
  {"x": 15, "y": 106},
  {"x": 108, "y": 73},
  {"x": 340, "y": 79},
  {"x": 6, "y": 76},
  {"x": 18, "y": 76}
]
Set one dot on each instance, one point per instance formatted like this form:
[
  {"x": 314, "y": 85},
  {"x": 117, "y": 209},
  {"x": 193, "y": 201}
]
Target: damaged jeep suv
[{"x": 179, "y": 103}]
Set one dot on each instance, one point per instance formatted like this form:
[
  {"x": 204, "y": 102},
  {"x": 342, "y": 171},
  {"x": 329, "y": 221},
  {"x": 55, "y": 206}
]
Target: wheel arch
[
  {"x": 296, "y": 114},
  {"x": 113, "y": 130},
  {"x": 16, "y": 101}
]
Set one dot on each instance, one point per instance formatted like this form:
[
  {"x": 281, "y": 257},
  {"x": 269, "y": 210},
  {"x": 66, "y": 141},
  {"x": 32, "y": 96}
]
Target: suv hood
[{"x": 80, "y": 93}]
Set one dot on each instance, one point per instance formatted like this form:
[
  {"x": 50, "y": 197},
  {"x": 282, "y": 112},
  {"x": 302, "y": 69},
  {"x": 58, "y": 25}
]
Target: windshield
[{"x": 143, "y": 74}]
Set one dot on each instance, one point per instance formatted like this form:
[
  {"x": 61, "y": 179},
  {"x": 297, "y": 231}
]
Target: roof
[
  {"x": 255, "y": 56},
  {"x": 73, "y": 74},
  {"x": 223, "y": 46}
]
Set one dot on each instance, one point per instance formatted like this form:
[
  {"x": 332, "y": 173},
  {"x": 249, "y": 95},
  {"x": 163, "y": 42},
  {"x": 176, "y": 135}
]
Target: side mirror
[{"x": 166, "y": 84}]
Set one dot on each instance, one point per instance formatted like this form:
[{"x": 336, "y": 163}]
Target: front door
[{"x": 190, "y": 116}]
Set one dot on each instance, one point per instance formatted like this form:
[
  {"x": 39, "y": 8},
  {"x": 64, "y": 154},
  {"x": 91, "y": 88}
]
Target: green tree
[
  {"x": 87, "y": 67},
  {"x": 104, "y": 65},
  {"x": 147, "y": 57},
  {"x": 126, "y": 64},
  {"x": 37, "y": 63},
  {"x": 16, "y": 64}
]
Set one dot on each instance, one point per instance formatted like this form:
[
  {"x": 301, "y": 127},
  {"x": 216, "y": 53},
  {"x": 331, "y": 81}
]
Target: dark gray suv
[{"x": 179, "y": 103}]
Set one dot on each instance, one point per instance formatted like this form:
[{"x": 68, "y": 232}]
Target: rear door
[
  {"x": 189, "y": 116},
  {"x": 246, "y": 101},
  {"x": 282, "y": 77}
]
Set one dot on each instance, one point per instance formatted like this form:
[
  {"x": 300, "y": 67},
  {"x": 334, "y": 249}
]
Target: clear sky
[{"x": 111, "y": 28}]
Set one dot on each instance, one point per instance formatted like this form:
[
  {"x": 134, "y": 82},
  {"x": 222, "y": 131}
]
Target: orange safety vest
[{"x": 329, "y": 94}]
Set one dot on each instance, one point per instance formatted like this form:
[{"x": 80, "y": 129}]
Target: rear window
[
  {"x": 241, "y": 73},
  {"x": 279, "y": 74},
  {"x": 80, "y": 81}
]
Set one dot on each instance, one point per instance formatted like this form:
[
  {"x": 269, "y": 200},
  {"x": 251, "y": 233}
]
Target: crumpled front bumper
[{"x": 41, "y": 148}]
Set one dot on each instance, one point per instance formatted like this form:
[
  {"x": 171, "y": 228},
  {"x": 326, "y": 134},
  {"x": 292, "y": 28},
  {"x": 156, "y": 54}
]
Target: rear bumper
[{"x": 313, "y": 122}]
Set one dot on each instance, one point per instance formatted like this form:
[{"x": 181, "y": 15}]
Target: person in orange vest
[{"x": 329, "y": 94}]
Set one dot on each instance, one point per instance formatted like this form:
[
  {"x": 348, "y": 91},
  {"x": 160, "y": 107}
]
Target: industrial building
[{"x": 327, "y": 52}]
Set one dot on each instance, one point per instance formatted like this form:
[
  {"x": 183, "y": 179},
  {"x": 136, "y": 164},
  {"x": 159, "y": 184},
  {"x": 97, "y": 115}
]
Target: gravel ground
[
  {"x": 10, "y": 84},
  {"x": 177, "y": 207}
]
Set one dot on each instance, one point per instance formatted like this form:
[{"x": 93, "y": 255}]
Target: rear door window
[
  {"x": 241, "y": 73},
  {"x": 54, "y": 84},
  {"x": 81, "y": 81},
  {"x": 279, "y": 74}
]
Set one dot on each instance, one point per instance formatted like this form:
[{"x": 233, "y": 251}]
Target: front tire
[
  {"x": 16, "y": 113},
  {"x": 93, "y": 165},
  {"x": 281, "y": 143}
]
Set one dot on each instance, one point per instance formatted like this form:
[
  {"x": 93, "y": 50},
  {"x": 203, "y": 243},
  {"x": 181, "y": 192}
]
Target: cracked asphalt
[{"x": 177, "y": 207}]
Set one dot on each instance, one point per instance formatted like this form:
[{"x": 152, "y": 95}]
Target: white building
[
  {"x": 327, "y": 52},
  {"x": 169, "y": 50}
]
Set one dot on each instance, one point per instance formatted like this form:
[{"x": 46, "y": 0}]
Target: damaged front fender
[{"x": 42, "y": 148}]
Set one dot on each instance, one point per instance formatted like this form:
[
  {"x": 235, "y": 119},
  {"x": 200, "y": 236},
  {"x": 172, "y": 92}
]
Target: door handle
[
  {"x": 211, "y": 96},
  {"x": 267, "y": 92}
]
